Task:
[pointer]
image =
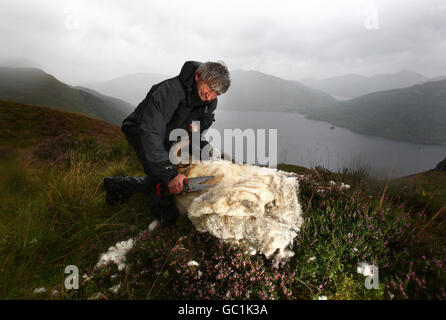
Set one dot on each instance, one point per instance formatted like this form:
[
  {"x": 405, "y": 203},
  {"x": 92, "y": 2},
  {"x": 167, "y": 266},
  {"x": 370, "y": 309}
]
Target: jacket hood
[{"x": 187, "y": 74}]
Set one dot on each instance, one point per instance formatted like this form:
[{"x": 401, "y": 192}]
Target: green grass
[
  {"x": 54, "y": 217},
  {"x": 53, "y": 214}
]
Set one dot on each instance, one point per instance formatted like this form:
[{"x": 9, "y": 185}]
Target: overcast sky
[{"x": 86, "y": 41}]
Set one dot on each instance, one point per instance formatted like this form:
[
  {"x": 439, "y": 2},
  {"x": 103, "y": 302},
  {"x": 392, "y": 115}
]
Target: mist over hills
[
  {"x": 415, "y": 114},
  {"x": 132, "y": 88},
  {"x": 250, "y": 90},
  {"x": 257, "y": 91},
  {"x": 352, "y": 85},
  {"x": 18, "y": 62},
  {"x": 437, "y": 78},
  {"x": 34, "y": 86}
]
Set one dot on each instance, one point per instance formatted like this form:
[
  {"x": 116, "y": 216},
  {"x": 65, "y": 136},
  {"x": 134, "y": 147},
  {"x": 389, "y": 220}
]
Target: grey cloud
[{"x": 287, "y": 39}]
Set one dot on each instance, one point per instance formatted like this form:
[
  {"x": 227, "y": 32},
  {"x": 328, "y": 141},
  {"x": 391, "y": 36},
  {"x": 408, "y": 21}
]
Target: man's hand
[
  {"x": 193, "y": 127},
  {"x": 176, "y": 184}
]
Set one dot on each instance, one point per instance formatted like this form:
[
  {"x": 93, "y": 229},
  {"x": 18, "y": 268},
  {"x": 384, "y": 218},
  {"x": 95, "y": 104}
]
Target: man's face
[{"x": 204, "y": 92}]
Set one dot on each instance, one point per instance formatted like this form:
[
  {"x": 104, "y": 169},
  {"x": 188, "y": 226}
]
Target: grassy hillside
[
  {"x": 33, "y": 86},
  {"x": 53, "y": 214},
  {"x": 52, "y": 211},
  {"x": 416, "y": 114},
  {"x": 249, "y": 91},
  {"x": 423, "y": 191},
  {"x": 24, "y": 126}
]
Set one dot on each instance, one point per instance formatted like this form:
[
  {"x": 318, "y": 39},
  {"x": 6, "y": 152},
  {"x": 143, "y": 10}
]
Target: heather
[{"x": 345, "y": 227}]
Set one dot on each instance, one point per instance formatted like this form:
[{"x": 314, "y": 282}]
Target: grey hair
[{"x": 216, "y": 75}]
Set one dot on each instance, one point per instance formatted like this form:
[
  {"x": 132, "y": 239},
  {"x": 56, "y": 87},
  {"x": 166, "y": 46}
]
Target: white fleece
[{"x": 251, "y": 206}]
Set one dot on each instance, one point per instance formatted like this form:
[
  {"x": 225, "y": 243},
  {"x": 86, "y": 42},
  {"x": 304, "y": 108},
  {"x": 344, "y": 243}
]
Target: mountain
[
  {"x": 115, "y": 110},
  {"x": 132, "y": 88},
  {"x": 424, "y": 190},
  {"x": 250, "y": 90},
  {"x": 256, "y": 91},
  {"x": 441, "y": 166},
  {"x": 34, "y": 86},
  {"x": 353, "y": 85},
  {"x": 415, "y": 114}
]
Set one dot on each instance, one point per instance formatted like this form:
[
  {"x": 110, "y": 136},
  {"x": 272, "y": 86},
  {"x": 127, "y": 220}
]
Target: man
[{"x": 171, "y": 104}]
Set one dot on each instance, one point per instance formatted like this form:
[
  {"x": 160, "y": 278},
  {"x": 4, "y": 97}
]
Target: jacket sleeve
[
  {"x": 208, "y": 118},
  {"x": 160, "y": 106}
]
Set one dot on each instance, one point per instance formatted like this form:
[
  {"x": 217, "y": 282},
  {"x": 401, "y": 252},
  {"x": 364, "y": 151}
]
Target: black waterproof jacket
[{"x": 170, "y": 104}]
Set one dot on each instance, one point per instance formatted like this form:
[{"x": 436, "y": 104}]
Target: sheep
[{"x": 254, "y": 207}]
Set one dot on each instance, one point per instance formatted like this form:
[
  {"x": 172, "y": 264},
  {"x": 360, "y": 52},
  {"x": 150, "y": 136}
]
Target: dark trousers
[{"x": 163, "y": 208}]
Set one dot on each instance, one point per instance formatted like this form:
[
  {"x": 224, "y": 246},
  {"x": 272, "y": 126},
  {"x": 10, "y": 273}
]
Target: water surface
[{"x": 311, "y": 143}]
